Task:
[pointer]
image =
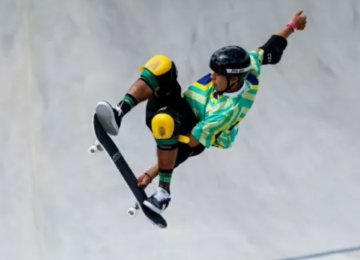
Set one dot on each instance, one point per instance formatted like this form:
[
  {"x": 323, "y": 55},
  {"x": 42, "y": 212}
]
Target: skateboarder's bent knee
[{"x": 165, "y": 131}]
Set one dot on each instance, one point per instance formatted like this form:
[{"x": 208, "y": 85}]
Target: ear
[{"x": 233, "y": 80}]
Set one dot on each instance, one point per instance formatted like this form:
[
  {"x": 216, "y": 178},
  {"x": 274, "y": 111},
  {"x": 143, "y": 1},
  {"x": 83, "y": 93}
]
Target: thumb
[{"x": 298, "y": 13}]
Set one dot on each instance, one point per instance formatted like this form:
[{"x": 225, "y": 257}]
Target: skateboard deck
[{"x": 118, "y": 159}]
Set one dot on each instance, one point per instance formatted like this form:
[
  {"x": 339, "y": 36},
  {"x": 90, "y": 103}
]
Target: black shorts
[{"x": 176, "y": 106}]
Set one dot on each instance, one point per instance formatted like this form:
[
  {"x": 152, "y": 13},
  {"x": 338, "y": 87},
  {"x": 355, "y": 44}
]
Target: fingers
[
  {"x": 143, "y": 180},
  {"x": 140, "y": 181},
  {"x": 142, "y": 184}
]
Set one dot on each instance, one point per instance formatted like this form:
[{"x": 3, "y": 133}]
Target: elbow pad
[{"x": 273, "y": 49}]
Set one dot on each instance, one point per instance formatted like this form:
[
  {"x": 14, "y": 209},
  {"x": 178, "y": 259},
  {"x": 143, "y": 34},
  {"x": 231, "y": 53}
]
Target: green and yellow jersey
[{"x": 220, "y": 115}]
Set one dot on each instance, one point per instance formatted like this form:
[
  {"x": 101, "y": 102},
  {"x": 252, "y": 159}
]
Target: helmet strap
[{"x": 227, "y": 87}]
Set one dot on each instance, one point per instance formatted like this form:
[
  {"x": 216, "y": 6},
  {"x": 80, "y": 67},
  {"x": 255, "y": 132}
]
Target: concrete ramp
[{"x": 288, "y": 189}]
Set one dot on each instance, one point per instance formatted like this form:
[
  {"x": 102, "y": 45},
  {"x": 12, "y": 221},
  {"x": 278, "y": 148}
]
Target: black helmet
[{"x": 231, "y": 61}]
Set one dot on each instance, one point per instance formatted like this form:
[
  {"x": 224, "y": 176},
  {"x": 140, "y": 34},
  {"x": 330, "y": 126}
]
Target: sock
[
  {"x": 165, "y": 179},
  {"x": 128, "y": 103}
]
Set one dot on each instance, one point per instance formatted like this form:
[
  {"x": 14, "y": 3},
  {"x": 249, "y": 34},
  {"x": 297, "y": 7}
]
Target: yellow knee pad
[
  {"x": 165, "y": 130},
  {"x": 163, "y": 126},
  {"x": 157, "y": 65},
  {"x": 160, "y": 73}
]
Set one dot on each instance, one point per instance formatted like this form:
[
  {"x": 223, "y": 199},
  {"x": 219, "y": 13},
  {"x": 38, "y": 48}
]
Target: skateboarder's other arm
[
  {"x": 275, "y": 46},
  {"x": 205, "y": 132}
]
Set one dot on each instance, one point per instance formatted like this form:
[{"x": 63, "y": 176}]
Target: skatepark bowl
[{"x": 287, "y": 189}]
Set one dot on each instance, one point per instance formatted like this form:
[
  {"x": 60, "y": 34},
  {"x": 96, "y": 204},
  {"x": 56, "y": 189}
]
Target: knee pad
[
  {"x": 160, "y": 73},
  {"x": 165, "y": 131}
]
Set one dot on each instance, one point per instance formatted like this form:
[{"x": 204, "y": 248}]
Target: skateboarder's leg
[
  {"x": 167, "y": 120},
  {"x": 180, "y": 112},
  {"x": 165, "y": 129},
  {"x": 158, "y": 76}
]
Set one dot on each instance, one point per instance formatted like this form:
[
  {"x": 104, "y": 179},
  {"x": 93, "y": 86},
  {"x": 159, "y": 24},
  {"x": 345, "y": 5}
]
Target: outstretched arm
[{"x": 275, "y": 46}]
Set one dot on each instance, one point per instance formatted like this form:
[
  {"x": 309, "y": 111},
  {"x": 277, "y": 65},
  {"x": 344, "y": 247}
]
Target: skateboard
[{"x": 105, "y": 142}]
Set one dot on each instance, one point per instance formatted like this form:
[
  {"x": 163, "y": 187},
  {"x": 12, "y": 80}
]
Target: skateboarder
[{"x": 209, "y": 111}]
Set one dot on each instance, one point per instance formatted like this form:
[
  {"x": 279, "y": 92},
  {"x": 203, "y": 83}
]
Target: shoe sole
[
  {"x": 105, "y": 114},
  {"x": 152, "y": 207}
]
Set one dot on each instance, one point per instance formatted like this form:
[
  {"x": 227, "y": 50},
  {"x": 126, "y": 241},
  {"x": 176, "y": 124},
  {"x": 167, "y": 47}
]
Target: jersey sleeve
[
  {"x": 207, "y": 130},
  {"x": 256, "y": 61},
  {"x": 226, "y": 138}
]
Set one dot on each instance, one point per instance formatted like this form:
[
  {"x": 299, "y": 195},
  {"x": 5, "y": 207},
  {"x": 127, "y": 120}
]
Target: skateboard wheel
[
  {"x": 98, "y": 146},
  {"x": 95, "y": 148},
  {"x": 132, "y": 212},
  {"x": 92, "y": 149}
]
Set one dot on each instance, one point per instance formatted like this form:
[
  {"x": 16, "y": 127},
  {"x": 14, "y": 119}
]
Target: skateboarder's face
[{"x": 220, "y": 82}]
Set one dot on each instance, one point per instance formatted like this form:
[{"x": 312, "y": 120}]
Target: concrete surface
[{"x": 288, "y": 189}]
